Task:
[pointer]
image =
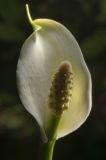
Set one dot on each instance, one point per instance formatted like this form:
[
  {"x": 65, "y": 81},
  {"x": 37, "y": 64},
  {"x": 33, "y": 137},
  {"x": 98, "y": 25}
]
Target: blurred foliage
[
  {"x": 19, "y": 133},
  {"x": 10, "y": 14},
  {"x": 10, "y": 33},
  {"x": 95, "y": 44}
]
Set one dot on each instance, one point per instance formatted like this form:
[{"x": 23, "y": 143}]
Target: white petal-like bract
[{"x": 39, "y": 59}]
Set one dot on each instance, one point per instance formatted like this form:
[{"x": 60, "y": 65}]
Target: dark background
[{"x": 19, "y": 133}]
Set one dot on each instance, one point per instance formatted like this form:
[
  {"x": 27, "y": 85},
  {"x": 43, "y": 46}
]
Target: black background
[{"x": 19, "y": 133}]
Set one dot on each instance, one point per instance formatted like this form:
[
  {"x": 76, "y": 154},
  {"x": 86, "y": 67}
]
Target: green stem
[{"x": 46, "y": 150}]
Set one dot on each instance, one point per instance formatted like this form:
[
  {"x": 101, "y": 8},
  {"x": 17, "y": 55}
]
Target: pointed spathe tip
[{"x": 31, "y": 21}]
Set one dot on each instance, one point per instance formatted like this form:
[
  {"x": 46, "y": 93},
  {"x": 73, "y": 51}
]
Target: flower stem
[{"x": 46, "y": 150}]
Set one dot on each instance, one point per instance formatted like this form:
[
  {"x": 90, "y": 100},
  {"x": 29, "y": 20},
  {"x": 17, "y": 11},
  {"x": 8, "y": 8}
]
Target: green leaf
[
  {"x": 95, "y": 44},
  {"x": 102, "y": 15},
  {"x": 10, "y": 11},
  {"x": 10, "y": 33}
]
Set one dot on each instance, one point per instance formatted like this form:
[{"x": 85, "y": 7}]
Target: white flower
[{"x": 41, "y": 54}]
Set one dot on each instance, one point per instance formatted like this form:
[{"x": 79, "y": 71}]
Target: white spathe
[{"x": 39, "y": 59}]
